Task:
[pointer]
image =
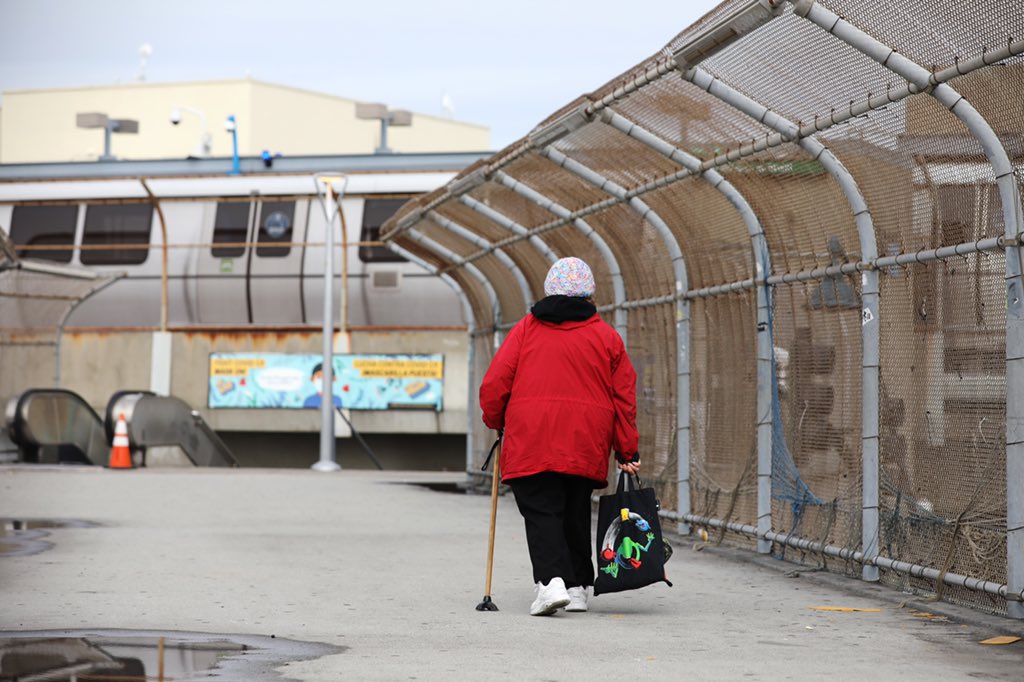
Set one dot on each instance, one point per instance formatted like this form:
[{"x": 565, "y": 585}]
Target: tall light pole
[
  {"x": 380, "y": 112},
  {"x": 231, "y": 125},
  {"x": 329, "y": 189}
]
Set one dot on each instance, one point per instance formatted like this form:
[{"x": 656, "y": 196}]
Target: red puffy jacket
[{"x": 565, "y": 395}]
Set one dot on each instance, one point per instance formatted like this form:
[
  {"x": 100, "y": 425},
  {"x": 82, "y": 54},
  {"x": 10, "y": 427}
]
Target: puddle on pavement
[
  {"x": 118, "y": 655},
  {"x": 24, "y": 537},
  {"x": 100, "y": 659}
]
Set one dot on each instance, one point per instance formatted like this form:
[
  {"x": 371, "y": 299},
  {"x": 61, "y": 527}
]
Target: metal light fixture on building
[
  {"x": 202, "y": 150},
  {"x": 109, "y": 126},
  {"x": 379, "y": 112}
]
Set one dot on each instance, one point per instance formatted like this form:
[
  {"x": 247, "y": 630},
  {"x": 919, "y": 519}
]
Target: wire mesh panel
[
  {"x": 615, "y": 156},
  {"x": 507, "y": 201},
  {"x": 806, "y": 217},
  {"x": 640, "y": 250},
  {"x": 651, "y": 348},
  {"x": 723, "y": 399},
  {"x": 556, "y": 183},
  {"x": 709, "y": 230},
  {"x": 529, "y": 259},
  {"x": 942, "y": 432},
  {"x": 816, "y": 458},
  {"x": 510, "y": 295},
  {"x": 935, "y": 34}
]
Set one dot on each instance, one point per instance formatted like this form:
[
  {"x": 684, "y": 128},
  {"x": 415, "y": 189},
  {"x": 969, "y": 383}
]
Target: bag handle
[{"x": 628, "y": 483}]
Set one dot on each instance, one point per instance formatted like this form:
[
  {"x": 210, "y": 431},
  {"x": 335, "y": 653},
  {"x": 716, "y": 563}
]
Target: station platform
[{"x": 388, "y": 571}]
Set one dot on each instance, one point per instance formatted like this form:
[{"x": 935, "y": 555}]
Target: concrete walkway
[{"x": 392, "y": 572}]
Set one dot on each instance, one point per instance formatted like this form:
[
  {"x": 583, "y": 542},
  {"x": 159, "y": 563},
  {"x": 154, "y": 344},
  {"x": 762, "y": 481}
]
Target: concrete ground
[{"x": 391, "y": 573}]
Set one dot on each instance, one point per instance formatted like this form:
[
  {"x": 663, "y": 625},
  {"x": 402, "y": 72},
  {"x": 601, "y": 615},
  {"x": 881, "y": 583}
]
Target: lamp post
[
  {"x": 203, "y": 148},
  {"x": 231, "y": 125},
  {"x": 330, "y": 189},
  {"x": 380, "y": 112},
  {"x": 109, "y": 125}
]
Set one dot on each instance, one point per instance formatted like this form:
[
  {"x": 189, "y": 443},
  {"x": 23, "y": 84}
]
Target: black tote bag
[{"x": 630, "y": 550}]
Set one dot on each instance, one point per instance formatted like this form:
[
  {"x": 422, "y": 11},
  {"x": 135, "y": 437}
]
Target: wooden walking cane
[{"x": 487, "y": 604}]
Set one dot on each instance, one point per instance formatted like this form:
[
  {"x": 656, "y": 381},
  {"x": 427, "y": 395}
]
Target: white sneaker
[
  {"x": 577, "y": 599},
  {"x": 550, "y": 598}
]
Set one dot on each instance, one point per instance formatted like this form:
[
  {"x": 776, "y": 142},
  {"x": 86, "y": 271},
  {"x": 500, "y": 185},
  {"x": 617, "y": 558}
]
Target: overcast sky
[{"x": 505, "y": 65}]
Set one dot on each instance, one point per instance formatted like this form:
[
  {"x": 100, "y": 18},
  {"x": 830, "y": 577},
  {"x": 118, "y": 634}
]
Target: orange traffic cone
[{"x": 120, "y": 454}]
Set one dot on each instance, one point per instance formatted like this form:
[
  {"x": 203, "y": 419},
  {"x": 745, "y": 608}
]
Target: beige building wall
[{"x": 39, "y": 125}]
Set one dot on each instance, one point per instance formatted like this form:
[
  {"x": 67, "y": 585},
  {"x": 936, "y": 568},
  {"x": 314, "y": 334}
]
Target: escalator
[
  {"x": 56, "y": 426},
  {"x": 161, "y": 421}
]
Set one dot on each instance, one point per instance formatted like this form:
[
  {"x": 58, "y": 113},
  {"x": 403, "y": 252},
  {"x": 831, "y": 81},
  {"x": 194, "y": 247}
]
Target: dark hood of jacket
[{"x": 560, "y": 309}]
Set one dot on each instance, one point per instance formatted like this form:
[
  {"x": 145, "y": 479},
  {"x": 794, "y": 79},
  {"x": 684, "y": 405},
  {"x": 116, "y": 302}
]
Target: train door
[
  {"x": 221, "y": 267},
  {"x": 312, "y": 280},
  {"x": 275, "y": 263}
]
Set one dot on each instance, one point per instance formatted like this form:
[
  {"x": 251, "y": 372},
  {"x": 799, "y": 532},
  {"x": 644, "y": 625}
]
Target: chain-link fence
[{"x": 805, "y": 221}]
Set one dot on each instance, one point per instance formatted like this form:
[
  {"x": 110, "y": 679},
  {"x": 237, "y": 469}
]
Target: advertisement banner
[{"x": 294, "y": 381}]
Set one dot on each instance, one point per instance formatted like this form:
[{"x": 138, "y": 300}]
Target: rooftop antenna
[
  {"x": 447, "y": 106},
  {"x": 145, "y": 50}
]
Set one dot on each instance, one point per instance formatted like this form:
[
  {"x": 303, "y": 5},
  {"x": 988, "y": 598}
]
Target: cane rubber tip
[{"x": 487, "y": 605}]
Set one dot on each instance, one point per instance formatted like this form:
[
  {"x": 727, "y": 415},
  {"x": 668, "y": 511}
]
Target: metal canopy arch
[
  {"x": 682, "y": 308},
  {"x": 479, "y": 241},
  {"x": 723, "y": 142},
  {"x": 870, "y": 329},
  {"x": 1009, "y": 196},
  {"x": 615, "y": 272},
  {"x": 762, "y": 268}
]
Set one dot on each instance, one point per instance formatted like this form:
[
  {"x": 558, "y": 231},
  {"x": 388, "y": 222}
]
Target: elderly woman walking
[{"x": 563, "y": 390}]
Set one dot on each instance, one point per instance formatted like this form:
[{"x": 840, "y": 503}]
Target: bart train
[{"x": 245, "y": 250}]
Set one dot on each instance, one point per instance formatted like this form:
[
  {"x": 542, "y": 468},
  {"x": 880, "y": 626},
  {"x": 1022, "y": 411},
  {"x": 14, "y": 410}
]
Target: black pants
[{"x": 557, "y": 512}]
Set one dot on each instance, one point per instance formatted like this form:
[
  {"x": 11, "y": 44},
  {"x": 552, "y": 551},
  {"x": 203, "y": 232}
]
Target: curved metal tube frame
[
  {"x": 870, "y": 329},
  {"x": 509, "y": 224},
  {"x": 1009, "y": 196},
  {"x": 762, "y": 267},
  {"x": 477, "y": 240}
]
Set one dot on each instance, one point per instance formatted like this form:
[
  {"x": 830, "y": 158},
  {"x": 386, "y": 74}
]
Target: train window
[
  {"x": 375, "y": 213},
  {"x": 44, "y": 226},
  {"x": 276, "y": 220},
  {"x": 121, "y": 227},
  {"x": 230, "y": 226}
]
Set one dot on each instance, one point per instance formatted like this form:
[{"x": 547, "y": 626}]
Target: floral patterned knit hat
[{"x": 569, "y": 277}]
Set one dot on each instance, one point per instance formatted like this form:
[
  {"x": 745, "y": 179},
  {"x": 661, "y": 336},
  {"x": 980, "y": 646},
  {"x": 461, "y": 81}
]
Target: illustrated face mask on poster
[{"x": 295, "y": 381}]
